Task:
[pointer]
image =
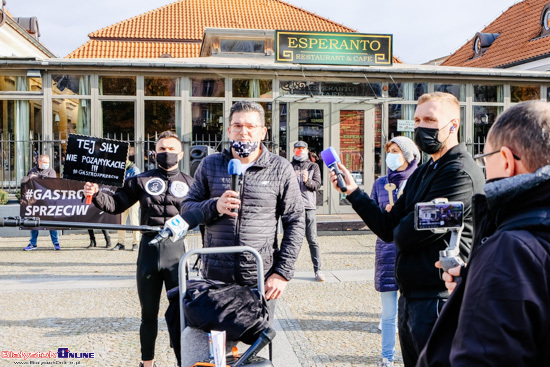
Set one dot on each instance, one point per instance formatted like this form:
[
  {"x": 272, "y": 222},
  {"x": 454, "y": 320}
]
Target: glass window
[
  {"x": 117, "y": 85},
  {"x": 253, "y": 88},
  {"x": 331, "y": 89},
  {"x": 70, "y": 84},
  {"x": 118, "y": 119},
  {"x": 254, "y": 46},
  {"x": 159, "y": 116},
  {"x": 520, "y": 93},
  {"x": 20, "y": 84},
  {"x": 457, "y": 90},
  {"x": 488, "y": 93},
  {"x": 268, "y": 109},
  {"x": 207, "y": 87},
  {"x": 407, "y": 91},
  {"x": 399, "y": 114},
  {"x": 310, "y": 128},
  {"x": 484, "y": 116},
  {"x": 155, "y": 86},
  {"x": 377, "y": 140},
  {"x": 71, "y": 116},
  {"x": 20, "y": 120},
  {"x": 283, "y": 114},
  {"x": 207, "y": 124},
  {"x": 352, "y": 145}
]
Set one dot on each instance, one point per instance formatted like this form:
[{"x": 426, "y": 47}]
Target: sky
[{"x": 422, "y": 30}]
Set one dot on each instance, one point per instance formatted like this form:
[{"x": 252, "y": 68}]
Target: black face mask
[
  {"x": 167, "y": 160},
  {"x": 427, "y": 139}
]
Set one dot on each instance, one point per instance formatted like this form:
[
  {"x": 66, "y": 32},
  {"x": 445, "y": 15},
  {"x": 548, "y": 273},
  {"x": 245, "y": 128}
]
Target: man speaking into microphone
[
  {"x": 160, "y": 193},
  {"x": 242, "y": 192}
]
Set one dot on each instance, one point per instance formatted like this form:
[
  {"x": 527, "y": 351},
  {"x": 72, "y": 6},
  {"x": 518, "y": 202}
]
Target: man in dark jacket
[
  {"x": 160, "y": 193},
  {"x": 450, "y": 173},
  {"x": 42, "y": 170},
  {"x": 309, "y": 179},
  {"x": 268, "y": 191},
  {"x": 498, "y": 314}
]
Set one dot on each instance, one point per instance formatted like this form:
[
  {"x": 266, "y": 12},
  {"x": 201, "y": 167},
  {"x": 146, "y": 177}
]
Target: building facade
[{"x": 353, "y": 109}]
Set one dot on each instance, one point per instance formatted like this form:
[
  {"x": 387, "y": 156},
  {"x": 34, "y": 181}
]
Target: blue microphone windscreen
[
  {"x": 193, "y": 218},
  {"x": 330, "y": 156},
  {"x": 235, "y": 167}
]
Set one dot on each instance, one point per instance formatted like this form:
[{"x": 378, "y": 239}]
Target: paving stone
[{"x": 86, "y": 300}]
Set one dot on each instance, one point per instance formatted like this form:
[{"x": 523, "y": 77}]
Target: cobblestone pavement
[{"x": 86, "y": 300}]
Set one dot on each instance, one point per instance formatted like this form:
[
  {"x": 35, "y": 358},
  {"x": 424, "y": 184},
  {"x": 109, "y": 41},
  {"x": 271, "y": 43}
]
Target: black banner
[
  {"x": 96, "y": 160},
  {"x": 62, "y": 200}
]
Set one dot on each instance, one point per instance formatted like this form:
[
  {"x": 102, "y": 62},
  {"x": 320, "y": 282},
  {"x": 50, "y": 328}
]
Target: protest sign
[
  {"x": 98, "y": 160},
  {"x": 60, "y": 200}
]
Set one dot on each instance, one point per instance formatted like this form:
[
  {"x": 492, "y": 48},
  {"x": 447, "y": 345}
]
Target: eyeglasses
[
  {"x": 484, "y": 156},
  {"x": 239, "y": 127}
]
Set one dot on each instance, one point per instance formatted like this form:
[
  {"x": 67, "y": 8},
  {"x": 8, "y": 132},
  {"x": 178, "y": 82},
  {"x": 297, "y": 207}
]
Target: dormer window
[
  {"x": 545, "y": 21},
  {"x": 482, "y": 41}
]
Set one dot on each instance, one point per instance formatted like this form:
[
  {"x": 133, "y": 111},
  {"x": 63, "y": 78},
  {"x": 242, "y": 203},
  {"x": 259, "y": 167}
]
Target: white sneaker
[
  {"x": 386, "y": 363},
  {"x": 319, "y": 276}
]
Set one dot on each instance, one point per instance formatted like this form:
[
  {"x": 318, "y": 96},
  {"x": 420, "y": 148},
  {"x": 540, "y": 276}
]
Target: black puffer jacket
[
  {"x": 269, "y": 191},
  {"x": 159, "y": 193}
]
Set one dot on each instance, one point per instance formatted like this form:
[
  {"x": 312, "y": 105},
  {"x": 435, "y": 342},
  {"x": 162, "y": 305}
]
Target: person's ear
[
  {"x": 510, "y": 163},
  {"x": 180, "y": 155},
  {"x": 454, "y": 125}
]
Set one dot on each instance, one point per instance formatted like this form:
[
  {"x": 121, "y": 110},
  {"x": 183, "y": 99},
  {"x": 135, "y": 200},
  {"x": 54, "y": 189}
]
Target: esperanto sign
[{"x": 333, "y": 48}]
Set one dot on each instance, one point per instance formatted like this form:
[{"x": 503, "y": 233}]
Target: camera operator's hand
[
  {"x": 229, "y": 200},
  {"x": 348, "y": 179},
  {"x": 448, "y": 277}
]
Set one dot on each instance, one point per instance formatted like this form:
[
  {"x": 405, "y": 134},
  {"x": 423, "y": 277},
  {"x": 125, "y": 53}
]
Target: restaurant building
[{"x": 134, "y": 88}]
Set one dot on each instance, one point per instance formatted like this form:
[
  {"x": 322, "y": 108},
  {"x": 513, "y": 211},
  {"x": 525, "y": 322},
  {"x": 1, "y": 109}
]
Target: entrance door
[
  {"x": 349, "y": 128},
  {"x": 352, "y": 135},
  {"x": 309, "y": 122}
]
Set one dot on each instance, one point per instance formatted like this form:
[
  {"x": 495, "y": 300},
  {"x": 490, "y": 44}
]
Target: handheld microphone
[
  {"x": 235, "y": 169},
  {"x": 265, "y": 338},
  {"x": 331, "y": 159},
  {"x": 178, "y": 226}
]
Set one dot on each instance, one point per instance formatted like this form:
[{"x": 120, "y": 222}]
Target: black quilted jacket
[{"x": 269, "y": 191}]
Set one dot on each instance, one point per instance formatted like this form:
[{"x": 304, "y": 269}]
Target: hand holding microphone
[
  {"x": 339, "y": 175},
  {"x": 229, "y": 203},
  {"x": 178, "y": 226}
]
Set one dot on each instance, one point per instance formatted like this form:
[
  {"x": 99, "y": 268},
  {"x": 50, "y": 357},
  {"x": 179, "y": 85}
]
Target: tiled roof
[
  {"x": 134, "y": 49},
  {"x": 519, "y": 29},
  {"x": 185, "y": 20}
]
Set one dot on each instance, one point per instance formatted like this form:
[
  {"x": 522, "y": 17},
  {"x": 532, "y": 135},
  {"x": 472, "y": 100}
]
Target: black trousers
[
  {"x": 156, "y": 265},
  {"x": 416, "y": 320}
]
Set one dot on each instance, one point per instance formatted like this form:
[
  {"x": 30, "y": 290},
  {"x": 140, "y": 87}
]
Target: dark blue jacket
[
  {"x": 499, "y": 314},
  {"x": 269, "y": 191},
  {"x": 384, "y": 267}
]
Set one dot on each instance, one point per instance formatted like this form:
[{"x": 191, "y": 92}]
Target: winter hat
[
  {"x": 408, "y": 147},
  {"x": 300, "y": 144}
]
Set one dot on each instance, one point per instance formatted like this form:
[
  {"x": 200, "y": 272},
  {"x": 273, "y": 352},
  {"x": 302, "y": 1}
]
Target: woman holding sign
[{"x": 160, "y": 193}]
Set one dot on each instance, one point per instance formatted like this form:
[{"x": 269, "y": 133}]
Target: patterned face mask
[{"x": 245, "y": 148}]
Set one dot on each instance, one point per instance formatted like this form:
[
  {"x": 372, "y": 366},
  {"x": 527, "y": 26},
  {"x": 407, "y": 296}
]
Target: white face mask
[
  {"x": 302, "y": 157},
  {"x": 393, "y": 161},
  {"x": 45, "y": 166}
]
